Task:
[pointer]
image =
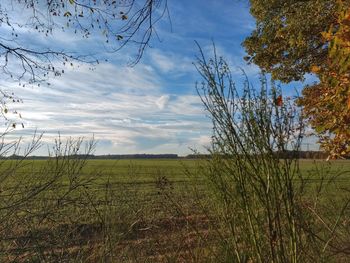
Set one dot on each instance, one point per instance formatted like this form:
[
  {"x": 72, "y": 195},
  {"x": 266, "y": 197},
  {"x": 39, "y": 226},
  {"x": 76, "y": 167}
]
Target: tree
[
  {"x": 328, "y": 103},
  {"x": 293, "y": 38},
  {"x": 120, "y": 21}
]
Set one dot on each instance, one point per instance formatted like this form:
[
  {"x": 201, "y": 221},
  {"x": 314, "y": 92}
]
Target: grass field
[{"x": 117, "y": 210}]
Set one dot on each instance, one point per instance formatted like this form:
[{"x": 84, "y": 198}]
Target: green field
[
  {"x": 146, "y": 171},
  {"x": 128, "y": 210}
]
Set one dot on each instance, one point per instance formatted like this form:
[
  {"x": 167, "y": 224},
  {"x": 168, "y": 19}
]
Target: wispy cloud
[
  {"x": 122, "y": 106},
  {"x": 162, "y": 101}
]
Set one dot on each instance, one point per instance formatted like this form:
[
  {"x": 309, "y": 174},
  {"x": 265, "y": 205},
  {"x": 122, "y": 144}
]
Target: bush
[{"x": 259, "y": 195}]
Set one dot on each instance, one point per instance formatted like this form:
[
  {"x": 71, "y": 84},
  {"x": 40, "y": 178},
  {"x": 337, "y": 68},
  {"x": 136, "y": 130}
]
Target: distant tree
[{"x": 293, "y": 38}]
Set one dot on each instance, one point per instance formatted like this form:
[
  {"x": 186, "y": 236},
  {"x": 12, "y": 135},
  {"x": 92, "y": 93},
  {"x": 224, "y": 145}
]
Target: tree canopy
[{"x": 296, "y": 37}]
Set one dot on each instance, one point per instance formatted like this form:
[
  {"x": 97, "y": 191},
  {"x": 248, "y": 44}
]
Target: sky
[{"x": 152, "y": 107}]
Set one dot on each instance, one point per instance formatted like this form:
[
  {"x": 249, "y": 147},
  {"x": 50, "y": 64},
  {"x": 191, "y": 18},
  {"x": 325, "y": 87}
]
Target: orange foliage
[
  {"x": 279, "y": 101},
  {"x": 327, "y": 104}
]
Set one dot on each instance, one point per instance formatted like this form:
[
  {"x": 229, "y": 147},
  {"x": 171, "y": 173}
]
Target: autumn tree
[
  {"x": 293, "y": 38},
  {"x": 328, "y": 103}
]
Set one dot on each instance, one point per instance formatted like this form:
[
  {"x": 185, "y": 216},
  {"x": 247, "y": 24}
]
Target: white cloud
[
  {"x": 107, "y": 78},
  {"x": 168, "y": 62},
  {"x": 164, "y": 63},
  {"x": 204, "y": 140},
  {"x": 124, "y": 106},
  {"x": 162, "y": 101}
]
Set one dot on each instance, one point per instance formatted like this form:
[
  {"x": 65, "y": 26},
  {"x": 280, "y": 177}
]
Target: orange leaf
[
  {"x": 279, "y": 101},
  {"x": 315, "y": 69}
]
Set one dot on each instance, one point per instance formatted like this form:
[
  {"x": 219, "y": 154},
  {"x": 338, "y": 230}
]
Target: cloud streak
[{"x": 123, "y": 106}]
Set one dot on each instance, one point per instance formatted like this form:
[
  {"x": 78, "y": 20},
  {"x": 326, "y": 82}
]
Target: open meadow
[{"x": 142, "y": 210}]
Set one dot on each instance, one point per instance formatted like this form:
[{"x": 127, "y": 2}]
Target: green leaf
[{"x": 319, "y": 129}]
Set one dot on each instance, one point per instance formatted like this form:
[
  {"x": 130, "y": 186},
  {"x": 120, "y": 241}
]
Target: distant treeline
[
  {"x": 134, "y": 156},
  {"x": 287, "y": 154},
  {"x": 108, "y": 156},
  {"x": 307, "y": 154}
]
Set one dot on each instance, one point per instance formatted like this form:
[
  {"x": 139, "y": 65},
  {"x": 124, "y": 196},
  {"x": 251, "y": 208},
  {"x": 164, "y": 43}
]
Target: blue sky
[{"x": 149, "y": 108}]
